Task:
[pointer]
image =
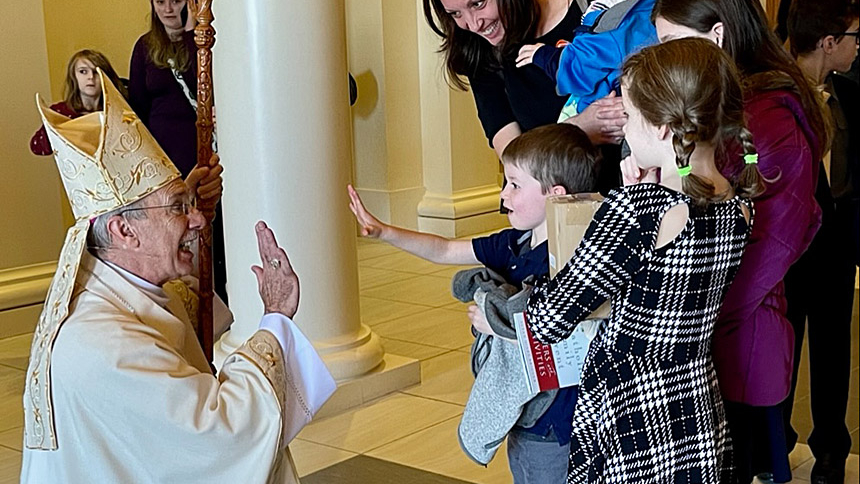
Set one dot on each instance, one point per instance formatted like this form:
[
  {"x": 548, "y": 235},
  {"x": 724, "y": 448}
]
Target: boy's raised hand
[{"x": 370, "y": 225}]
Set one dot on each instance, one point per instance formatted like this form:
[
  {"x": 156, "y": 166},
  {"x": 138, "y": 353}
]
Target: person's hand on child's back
[
  {"x": 603, "y": 120},
  {"x": 370, "y": 225},
  {"x": 527, "y": 54},
  {"x": 632, "y": 173}
]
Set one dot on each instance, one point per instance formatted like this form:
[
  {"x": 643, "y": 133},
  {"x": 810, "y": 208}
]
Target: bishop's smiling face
[
  {"x": 478, "y": 16},
  {"x": 166, "y": 233}
]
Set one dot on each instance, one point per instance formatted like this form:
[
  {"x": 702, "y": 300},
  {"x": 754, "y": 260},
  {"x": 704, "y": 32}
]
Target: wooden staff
[{"x": 204, "y": 37}]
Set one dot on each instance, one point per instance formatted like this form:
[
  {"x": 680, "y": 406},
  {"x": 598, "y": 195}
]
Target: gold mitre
[{"x": 107, "y": 160}]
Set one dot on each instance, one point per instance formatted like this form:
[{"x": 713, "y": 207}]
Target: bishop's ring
[{"x": 275, "y": 263}]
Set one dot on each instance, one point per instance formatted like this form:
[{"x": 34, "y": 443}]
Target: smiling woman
[{"x": 480, "y": 41}]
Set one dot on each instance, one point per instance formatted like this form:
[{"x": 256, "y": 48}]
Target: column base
[
  {"x": 353, "y": 355},
  {"x": 467, "y": 212},
  {"x": 19, "y": 320},
  {"x": 22, "y": 293},
  {"x": 389, "y": 374},
  {"x": 346, "y": 358},
  {"x": 394, "y": 373},
  {"x": 463, "y": 227}
]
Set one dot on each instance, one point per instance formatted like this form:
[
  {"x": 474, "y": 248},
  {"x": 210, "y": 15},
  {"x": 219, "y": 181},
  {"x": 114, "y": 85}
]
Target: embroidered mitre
[{"x": 107, "y": 160}]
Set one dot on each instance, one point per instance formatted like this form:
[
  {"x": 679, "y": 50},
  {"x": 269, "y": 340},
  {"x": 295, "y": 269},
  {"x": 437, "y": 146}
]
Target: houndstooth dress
[{"x": 649, "y": 408}]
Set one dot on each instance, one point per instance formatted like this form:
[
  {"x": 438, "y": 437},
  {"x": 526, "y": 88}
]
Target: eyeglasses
[
  {"x": 855, "y": 34},
  {"x": 183, "y": 207}
]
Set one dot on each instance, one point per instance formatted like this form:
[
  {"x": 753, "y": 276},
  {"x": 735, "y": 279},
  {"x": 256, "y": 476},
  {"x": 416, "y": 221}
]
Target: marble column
[{"x": 284, "y": 137}]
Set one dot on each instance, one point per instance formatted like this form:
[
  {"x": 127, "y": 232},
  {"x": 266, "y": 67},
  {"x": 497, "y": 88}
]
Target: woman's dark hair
[
  {"x": 466, "y": 53},
  {"x": 692, "y": 87},
  {"x": 71, "y": 93},
  {"x": 759, "y": 55},
  {"x": 811, "y": 20},
  {"x": 161, "y": 49}
]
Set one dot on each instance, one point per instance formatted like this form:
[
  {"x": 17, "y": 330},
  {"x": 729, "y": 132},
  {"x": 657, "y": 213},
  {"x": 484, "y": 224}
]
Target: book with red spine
[{"x": 558, "y": 365}]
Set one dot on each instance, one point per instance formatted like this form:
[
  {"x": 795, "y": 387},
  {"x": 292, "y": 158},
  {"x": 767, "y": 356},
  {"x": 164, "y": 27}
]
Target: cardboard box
[{"x": 567, "y": 219}]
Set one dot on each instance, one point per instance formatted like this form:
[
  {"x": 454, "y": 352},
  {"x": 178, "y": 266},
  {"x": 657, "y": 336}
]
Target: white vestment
[{"x": 135, "y": 402}]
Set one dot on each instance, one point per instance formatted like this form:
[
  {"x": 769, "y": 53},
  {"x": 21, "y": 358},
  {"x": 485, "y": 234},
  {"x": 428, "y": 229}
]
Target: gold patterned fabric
[{"x": 106, "y": 160}]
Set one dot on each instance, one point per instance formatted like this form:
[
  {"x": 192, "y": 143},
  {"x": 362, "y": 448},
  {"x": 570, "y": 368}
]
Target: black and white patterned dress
[{"x": 649, "y": 408}]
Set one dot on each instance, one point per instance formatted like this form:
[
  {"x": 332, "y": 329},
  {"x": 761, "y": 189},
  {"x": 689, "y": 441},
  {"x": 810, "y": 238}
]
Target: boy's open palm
[{"x": 370, "y": 225}]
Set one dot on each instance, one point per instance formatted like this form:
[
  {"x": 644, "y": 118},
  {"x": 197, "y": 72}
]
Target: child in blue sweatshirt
[{"x": 589, "y": 66}]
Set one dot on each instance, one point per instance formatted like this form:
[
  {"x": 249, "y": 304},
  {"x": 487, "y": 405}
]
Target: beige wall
[
  {"x": 37, "y": 39},
  {"x": 111, "y": 27},
  {"x": 31, "y": 226},
  {"x": 386, "y": 124}
]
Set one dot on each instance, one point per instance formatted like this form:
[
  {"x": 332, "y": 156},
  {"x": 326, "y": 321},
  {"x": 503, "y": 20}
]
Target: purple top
[
  {"x": 156, "y": 96},
  {"x": 753, "y": 345},
  {"x": 39, "y": 144}
]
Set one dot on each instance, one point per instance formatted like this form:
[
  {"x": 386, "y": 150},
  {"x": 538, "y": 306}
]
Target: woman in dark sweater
[
  {"x": 162, "y": 90},
  {"x": 163, "y": 81},
  {"x": 481, "y": 39}
]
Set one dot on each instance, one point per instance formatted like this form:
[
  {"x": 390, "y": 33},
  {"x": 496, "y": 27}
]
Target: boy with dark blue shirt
[{"x": 551, "y": 160}]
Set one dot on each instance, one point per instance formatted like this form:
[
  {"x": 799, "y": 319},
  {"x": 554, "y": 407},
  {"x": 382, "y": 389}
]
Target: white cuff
[{"x": 304, "y": 368}]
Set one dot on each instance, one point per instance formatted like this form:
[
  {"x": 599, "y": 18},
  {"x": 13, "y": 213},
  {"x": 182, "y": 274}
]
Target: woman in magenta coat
[{"x": 753, "y": 344}]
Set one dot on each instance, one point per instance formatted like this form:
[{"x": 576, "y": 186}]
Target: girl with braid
[{"x": 664, "y": 249}]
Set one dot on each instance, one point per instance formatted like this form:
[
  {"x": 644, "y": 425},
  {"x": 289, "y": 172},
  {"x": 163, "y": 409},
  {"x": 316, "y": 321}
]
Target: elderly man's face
[{"x": 166, "y": 235}]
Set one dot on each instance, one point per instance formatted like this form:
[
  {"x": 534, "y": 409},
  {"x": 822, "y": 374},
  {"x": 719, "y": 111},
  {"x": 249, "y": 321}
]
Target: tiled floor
[{"x": 407, "y": 302}]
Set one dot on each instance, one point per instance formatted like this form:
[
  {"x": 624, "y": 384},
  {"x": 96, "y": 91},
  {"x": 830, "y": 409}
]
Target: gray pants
[{"x": 537, "y": 461}]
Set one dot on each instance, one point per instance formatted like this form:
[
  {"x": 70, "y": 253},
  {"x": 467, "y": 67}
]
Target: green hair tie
[
  {"x": 684, "y": 170},
  {"x": 751, "y": 158}
]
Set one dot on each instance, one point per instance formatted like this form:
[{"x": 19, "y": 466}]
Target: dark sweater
[
  {"x": 524, "y": 95},
  {"x": 156, "y": 96},
  {"x": 39, "y": 143}
]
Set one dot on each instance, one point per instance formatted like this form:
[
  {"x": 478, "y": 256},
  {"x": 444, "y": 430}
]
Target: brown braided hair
[{"x": 692, "y": 87}]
